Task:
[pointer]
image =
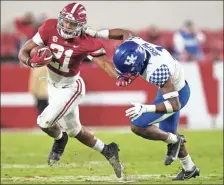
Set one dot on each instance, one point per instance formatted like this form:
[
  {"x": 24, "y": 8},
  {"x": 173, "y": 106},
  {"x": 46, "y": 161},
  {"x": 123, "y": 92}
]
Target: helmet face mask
[
  {"x": 71, "y": 21},
  {"x": 132, "y": 74},
  {"x": 127, "y": 76}
]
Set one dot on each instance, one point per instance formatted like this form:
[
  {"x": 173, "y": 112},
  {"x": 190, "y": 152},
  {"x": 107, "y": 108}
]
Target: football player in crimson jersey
[{"x": 71, "y": 42}]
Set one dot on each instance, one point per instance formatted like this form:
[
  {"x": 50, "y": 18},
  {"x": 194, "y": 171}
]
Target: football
[{"x": 32, "y": 52}]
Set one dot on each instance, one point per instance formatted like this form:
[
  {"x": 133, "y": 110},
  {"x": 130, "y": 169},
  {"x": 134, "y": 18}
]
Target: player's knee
[
  {"x": 136, "y": 130},
  {"x": 73, "y": 132},
  {"x": 43, "y": 122},
  {"x": 147, "y": 133}
]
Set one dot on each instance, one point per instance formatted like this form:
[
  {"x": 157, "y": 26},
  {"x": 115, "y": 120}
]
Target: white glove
[{"x": 138, "y": 110}]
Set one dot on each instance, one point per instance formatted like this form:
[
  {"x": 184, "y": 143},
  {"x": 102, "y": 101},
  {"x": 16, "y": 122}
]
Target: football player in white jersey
[{"x": 136, "y": 57}]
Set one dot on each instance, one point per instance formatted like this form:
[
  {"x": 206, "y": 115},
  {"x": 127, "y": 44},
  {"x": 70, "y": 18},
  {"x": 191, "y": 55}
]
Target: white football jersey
[{"x": 160, "y": 65}]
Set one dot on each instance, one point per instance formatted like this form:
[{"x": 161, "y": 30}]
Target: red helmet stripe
[{"x": 74, "y": 8}]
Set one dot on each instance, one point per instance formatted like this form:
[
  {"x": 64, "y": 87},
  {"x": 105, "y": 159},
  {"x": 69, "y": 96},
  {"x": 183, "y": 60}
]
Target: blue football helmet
[{"x": 129, "y": 59}]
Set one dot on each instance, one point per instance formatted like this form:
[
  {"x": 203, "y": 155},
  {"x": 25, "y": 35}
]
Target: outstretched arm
[
  {"x": 117, "y": 33},
  {"x": 108, "y": 67},
  {"x": 104, "y": 64}
]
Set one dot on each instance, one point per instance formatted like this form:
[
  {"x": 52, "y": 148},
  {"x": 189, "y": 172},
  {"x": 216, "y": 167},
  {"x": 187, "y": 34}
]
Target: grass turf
[{"x": 24, "y": 160}]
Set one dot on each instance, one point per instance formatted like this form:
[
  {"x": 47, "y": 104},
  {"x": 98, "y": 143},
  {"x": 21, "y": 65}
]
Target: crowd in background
[
  {"x": 21, "y": 29},
  {"x": 187, "y": 43}
]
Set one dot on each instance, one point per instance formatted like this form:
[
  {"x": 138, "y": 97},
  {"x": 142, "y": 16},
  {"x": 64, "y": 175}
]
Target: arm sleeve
[
  {"x": 38, "y": 40},
  {"x": 160, "y": 76},
  {"x": 41, "y": 37},
  {"x": 98, "y": 49}
]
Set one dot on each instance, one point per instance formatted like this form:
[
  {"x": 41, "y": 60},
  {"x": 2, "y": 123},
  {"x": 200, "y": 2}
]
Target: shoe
[
  {"x": 185, "y": 175},
  {"x": 111, "y": 153},
  {"x": 57, "y": 150},
  {"x": 173, "y": 150}
]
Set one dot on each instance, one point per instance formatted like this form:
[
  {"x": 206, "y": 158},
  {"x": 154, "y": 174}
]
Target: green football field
[{"x": 24, "y": 156}]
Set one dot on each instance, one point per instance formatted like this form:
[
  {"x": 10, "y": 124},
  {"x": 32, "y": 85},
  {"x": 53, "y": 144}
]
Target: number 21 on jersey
[{"x": 58, "y": 55}]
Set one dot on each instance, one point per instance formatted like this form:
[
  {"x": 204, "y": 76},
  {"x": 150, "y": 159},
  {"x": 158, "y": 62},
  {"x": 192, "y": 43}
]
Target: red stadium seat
[
  {"x": 8, "y": 44},
  {"x": 212, "y": 46}
]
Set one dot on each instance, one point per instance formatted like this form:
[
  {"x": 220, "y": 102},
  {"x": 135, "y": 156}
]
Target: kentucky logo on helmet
[{"x": 130, "y": 59}]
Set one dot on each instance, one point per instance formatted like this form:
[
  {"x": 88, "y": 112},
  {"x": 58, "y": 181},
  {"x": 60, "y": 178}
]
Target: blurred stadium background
[{"x": 104, "y": 104}]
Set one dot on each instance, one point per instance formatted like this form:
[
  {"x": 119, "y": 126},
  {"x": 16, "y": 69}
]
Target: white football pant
[{"x": 63, "y": 106}]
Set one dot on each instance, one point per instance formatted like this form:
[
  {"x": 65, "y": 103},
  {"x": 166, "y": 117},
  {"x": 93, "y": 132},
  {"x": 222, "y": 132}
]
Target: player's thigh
[
  {"x": 184, "y": 95},
  {"x": 170, "y": 124},
  {"x": 61, "y": 103},
  {"x": 71, "y": 122},
  {"x": 55, "y": 104},
  {"x": 149, "y": 118}
]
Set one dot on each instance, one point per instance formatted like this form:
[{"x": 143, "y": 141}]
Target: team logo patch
[{"x": 55, "y": 38}]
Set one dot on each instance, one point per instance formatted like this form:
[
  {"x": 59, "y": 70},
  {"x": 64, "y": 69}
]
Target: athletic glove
[
  {"x": 123, "y": 81},
  {"x": 40, "y": 58},
  {"x": 138, "y": 109}
]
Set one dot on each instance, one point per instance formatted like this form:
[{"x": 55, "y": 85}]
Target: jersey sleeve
[
  {"x": 98, "y": 49},
  {"x": 41, "y": 37},
  {"x": 160, "y": 76}
]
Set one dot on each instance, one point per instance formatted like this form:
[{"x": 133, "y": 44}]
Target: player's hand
[
  {"x": 127, "y": 34},
  {"x": 123, "y": 81},
  {"x": 90, "y": 31},
  {"x": 41, "y": 57},
  {"x": 137, "y": 110}
]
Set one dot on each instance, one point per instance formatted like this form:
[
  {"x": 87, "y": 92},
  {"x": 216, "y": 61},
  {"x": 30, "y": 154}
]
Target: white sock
[
  {"x": 99, "y": 145},
  {"x": 172, "y": 138},
  {"x": 59, "y": 136},
  {"x": 187, "y": 163}
]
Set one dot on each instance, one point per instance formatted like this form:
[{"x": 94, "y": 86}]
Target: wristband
[
  {"x": 103, "y": 34},
  {"x": 150, "y": 108}
]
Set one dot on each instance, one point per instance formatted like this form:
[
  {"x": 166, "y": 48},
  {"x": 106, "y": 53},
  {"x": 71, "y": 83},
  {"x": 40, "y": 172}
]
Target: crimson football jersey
[{"x": 67, "y": 54}]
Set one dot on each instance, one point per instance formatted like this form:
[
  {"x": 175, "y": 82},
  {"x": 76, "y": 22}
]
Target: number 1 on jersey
[{"x": 64, "y": 67}]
